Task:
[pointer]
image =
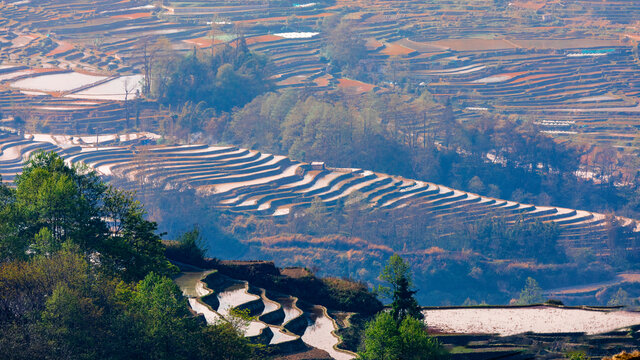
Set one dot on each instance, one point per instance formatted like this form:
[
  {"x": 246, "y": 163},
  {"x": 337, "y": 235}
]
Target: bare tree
[{"x": 128, "y": 88}]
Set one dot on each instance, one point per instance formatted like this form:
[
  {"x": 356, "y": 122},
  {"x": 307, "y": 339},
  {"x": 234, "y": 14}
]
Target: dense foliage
[
  {"x": 189, "y": 248},
  {"x": 54, "y": 204},
  {"x": 385, "y": 339},
  {"x": 230, "y": 77},
  {"x": 83, "y": 276}
]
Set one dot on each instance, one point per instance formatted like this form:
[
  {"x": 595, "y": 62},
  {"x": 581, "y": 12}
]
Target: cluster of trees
[
  {"x": 315, "y": 129},
  {"x": 502, "y": 157},
  {"x": 83, "y": 275},
  {"x": 197, "y": 87},
  {"x": 521, "y": 240},
  {"x": 343, "y": 48}
]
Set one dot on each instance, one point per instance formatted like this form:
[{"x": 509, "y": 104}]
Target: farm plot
[{"x": 57, "y": 82}]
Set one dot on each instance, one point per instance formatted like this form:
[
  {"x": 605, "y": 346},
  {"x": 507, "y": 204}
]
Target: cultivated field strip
[{"x": 251, "y": 182}]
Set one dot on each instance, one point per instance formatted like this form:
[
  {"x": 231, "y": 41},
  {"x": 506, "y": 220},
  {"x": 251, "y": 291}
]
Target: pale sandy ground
[{"x": 519, "y": 320}]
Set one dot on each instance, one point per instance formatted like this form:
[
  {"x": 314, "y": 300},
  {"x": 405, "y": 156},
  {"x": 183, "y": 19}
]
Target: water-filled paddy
[
  {"x": 318, "y": 334},
  {"x": 190, "y": 284},
  {"x": 289, "y": 311},
  {"x": 539, "y": 319},
  {"x": 297, "y": 35},
  {"x": 233, "y": 296},
  {"x": 211, "y": 316},
  {"x": 112, "y": 90},
  {"x": 57, "y": 82},
  {"x": 279, "y": 336}
]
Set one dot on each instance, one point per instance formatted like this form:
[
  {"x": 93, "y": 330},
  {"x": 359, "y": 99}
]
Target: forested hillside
[{"x": 83, "y": 275}]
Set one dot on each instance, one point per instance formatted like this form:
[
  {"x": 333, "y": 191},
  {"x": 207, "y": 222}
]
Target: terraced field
[
  {"x": 573, "y": 68},
  {"x": 250, "y": 182},
  {"x": 287, "y": 325},
  {"x": 281, "y": 323}
]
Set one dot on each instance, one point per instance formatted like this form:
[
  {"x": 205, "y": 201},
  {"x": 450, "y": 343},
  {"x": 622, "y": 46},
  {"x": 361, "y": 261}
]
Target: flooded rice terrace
[
  {"x": 517, "y": 320},
  {"x": 319, "y": 334},
  {"x": 319, "y": 331},
  {"x": 290, "y": 312},
  {"x": 190, "y": 284}
]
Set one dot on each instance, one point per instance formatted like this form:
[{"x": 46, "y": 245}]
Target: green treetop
[{"x": 397, "y": 274}]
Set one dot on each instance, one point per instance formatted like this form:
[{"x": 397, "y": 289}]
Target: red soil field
[
  {"x": 373, "y": 44},
  {"x": 63, "y": 46},
  {"x": 294, "y": 80},
  {"x": 202, "y": 42},
  {"x": 354, "y": 86},
  {"x": 392, "y": 49},
  {"x": 132, "y": 16},
  {"x": 263, "y": 39},
  {"x": 322, "y": 81}
]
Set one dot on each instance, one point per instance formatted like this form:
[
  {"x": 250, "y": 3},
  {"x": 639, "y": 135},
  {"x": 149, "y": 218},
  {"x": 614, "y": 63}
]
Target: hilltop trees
[
  {"x": 397, "y": 274},
  {"x": 531, "y": 293},
  {"x": 231, "y": 77},
  {"x": 343, "y": 47}
]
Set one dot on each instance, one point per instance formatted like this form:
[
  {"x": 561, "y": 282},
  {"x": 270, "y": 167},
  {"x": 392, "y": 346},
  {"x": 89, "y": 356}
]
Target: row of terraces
[
  {"x": 250, "y": 182},
  {"x": 288, "y": 325},
  {"x": 282, "y": 322},
  {"x": 529, "y": 58},
  {"x": 583, "y": 98},
  {"x": 117, "y": 29}
]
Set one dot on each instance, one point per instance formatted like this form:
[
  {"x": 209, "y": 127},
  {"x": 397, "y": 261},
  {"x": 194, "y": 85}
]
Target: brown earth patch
[
  {"x": 354, "y": 86},
  {"x": 392, "y": 49},
  {"x": 63, "y": 46},
  {"x": 263, "y": 39}
]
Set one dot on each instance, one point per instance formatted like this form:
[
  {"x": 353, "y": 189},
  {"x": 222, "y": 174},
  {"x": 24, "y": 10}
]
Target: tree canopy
[
  {"x": 54, "y": 204},
  {"x": 385, "y": 339},
  {"x": 231, "y": 77},
  {"x": 399, "y": 333},
  {"x": 83, "y": 275}
]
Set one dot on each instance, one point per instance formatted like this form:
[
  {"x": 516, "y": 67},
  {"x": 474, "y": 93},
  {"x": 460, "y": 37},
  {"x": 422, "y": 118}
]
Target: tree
[
  {"x": 55, "y": 204},
  {"x": 385, "y": 339},
  {"x": 190, "y": 247},
  {"x": 60, "y": 307},
  {"x": 531, "y": 294},
  {"x": 620, "y": 298},
  {"x": 343, "y": 47},
  {"x": 397, "y": 274}
]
